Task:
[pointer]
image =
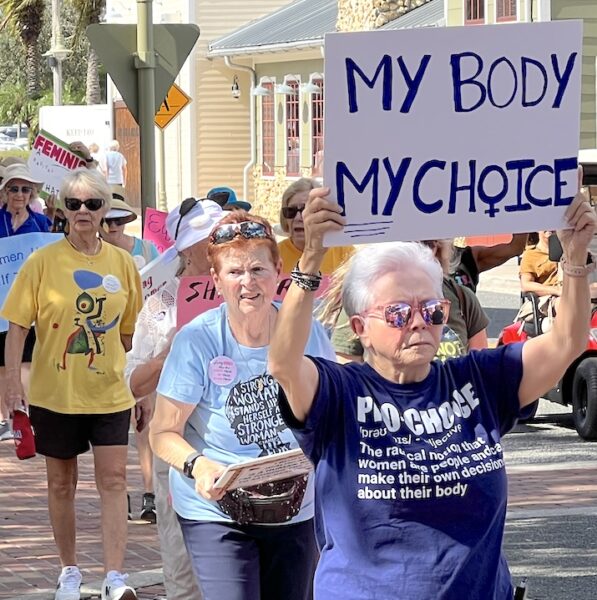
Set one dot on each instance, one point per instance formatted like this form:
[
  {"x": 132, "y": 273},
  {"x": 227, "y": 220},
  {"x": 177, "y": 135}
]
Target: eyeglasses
[
  {"x": 186, "y": 206},
  {"x": 400, "y": 314},
  {"x": 289, "y": 212},
  {"x": 248, "y": 229},
  {"x": 118, "y": 221},
  {"x": 220, "y": 198},
  {"x": 24, "y": 189},
  {"x": 91, "y": 204}
]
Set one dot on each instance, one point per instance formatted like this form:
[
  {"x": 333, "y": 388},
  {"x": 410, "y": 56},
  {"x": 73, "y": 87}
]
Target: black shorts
[
  {"x": 27, "y": 350},
  {"x": 58, "y": 435}
]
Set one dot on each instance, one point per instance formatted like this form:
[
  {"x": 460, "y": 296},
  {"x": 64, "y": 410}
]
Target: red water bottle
[{"x": 23, "y": 434}]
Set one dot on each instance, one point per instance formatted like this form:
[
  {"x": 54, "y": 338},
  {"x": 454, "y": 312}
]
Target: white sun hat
[{"x": 193, "y": 227}]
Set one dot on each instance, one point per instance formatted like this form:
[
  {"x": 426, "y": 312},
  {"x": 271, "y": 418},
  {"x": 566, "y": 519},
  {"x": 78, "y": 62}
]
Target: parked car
[{"x": 7, "y": 143}]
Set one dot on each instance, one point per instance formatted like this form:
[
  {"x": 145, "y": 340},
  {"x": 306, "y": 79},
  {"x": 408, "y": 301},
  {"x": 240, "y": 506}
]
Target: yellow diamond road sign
[{"x": 174, "y": 102}]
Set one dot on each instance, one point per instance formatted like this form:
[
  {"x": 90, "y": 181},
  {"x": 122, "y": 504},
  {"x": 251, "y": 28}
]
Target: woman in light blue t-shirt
[{"x": 216, "y": 406}]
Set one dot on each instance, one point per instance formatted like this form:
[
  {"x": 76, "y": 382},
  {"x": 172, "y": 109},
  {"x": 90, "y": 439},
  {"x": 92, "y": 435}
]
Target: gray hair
[
  {"x": 114, "y": 145},
  {"x": 89, "y": 179},
  {"x": 371, "y": 262}
]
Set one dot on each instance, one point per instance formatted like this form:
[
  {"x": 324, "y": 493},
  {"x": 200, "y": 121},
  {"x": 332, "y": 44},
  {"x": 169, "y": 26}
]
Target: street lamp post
[{"x": 57, "y": 53}]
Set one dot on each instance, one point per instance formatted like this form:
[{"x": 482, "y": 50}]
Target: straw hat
[
  {"x": 120, "y": 209},
  {"x": 19, "y": 171}
]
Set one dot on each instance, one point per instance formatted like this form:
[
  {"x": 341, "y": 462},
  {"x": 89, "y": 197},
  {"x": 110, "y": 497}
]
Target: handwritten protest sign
[
  {"x": 14, "y": 251},
  {"x": 198, "y": 294},
  {"x": 452, "y": 131},
  {"x": 50, "y": 160},
  {"x": 154, "y": 229},
  {"x": 156, "y": 274}
]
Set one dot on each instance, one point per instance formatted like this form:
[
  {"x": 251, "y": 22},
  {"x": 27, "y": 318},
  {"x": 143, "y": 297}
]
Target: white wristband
[{"x": 576, "y": 271}]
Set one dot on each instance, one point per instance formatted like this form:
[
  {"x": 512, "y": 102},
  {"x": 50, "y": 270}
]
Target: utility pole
[
  {"x": 145, "y": 63},
  {"x": 56, "y": 54}
]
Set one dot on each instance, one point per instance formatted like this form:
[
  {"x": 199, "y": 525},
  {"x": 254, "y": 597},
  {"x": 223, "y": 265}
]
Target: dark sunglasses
[
  {"x": 289, "y": 212},
  {"x": 117, "y": 221},
  {"x": 91, "y": 204},
  {"x": 186, "y": 206},
  {"x": 220, "y": 198},
  {"x": 250, "y": 230},
  {"x": 400, "y": 314},
  {"x": 24, "y": 189}
]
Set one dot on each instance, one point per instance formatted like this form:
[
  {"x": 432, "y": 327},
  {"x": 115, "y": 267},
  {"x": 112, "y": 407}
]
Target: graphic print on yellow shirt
[
  {"x": 89, "y": 324},
  {"x": 81, "y": 305}
]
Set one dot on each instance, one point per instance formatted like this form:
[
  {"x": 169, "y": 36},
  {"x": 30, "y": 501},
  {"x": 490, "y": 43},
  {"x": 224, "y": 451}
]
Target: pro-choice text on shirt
[
  {"x": 441, "y": 133},
  {"x": 420, "y": 454}
]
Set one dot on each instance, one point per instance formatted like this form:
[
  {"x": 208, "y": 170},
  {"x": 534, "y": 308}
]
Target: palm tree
[
  {"x": 90, "y": 12},
  {"x": 25, "y": 19}
]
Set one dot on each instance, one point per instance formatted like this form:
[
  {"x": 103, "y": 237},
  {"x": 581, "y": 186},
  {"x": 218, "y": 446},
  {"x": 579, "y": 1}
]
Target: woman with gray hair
[
  {"x": 83, "y": 296},
  {"x": 410, "y": 478}
]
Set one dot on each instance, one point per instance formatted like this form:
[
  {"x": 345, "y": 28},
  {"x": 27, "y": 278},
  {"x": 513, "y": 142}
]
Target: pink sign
[
  {"x": 154, "y": 229},
  {"x": 197, "y": 295}
]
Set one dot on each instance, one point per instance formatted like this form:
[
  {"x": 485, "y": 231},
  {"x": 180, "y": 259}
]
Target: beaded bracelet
[
  {"x": 306, "y": 281},
  {"x": 576, "y": 271}
]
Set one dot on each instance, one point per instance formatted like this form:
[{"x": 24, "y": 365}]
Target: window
[
  {"x": 292, "y": 131},
  {"x": 268, "y": 133},
  {"x": 475, "y": 11},
  {"x": 317, "y": 129},
  {"x": 505, "y": 10}
]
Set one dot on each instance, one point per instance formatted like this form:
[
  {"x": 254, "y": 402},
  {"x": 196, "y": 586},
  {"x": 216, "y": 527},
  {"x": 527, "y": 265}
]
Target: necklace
[{"x": 98, "y": 247}]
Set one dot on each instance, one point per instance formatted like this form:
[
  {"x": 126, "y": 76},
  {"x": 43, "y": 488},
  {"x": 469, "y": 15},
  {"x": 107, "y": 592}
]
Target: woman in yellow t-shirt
[
  {"x": 291, "y": 222},
  {"x": 84, "y": 296}
]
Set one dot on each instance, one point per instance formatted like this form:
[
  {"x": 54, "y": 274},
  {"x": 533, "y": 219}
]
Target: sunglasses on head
[
  {"x": 220, "y": 198},
  {"x": 289, "y": 212},
  {"x": 91, "y": 204},
  {"x": 186, "y": 206},
  {"x": 400, "y": 314},
  {"x": 250, "y": 230},
  {"x": 15, "y": 189}
]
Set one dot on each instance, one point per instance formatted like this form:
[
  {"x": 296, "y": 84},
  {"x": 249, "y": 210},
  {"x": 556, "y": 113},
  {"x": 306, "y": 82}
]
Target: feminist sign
[{"x": 434, "y": 133}]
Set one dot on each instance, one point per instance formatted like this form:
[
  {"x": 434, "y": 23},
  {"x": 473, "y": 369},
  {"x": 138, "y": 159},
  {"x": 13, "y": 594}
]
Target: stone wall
[{"x": 362, "y": 15}]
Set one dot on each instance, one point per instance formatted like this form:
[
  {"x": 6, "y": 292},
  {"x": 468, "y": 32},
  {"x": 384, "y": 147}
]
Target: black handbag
[{"x": 267, "y": 503}]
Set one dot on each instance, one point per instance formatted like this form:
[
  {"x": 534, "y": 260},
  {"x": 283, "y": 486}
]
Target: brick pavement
[{"x": 28, "y": 561}]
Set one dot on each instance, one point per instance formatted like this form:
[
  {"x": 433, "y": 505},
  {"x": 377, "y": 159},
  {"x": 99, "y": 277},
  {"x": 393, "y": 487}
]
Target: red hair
[{"x": 216, "y": 251}]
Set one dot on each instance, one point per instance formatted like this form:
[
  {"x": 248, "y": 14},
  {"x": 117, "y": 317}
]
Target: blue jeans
[{"x": 252, "y": 562}]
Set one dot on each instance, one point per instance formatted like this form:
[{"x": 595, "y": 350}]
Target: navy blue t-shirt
[
  {"x": 35, "y": 223},
  {"x": 410, "y": 484}
]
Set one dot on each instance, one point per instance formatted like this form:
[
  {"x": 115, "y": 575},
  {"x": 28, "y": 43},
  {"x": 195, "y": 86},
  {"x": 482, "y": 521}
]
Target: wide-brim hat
[
  {"x": 19, "y": 171},
  {"x": 120, "y": 209},
  {"x": 195, "y": 226}
]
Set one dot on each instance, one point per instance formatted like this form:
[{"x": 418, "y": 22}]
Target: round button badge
[
  {"x": 111, "y": 284},
  {"x": 222, "y": 370}
]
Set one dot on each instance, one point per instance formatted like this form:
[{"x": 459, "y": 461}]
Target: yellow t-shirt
[
  {"x": 333, "y": 258},
  {"x": 80, "y": 305}
]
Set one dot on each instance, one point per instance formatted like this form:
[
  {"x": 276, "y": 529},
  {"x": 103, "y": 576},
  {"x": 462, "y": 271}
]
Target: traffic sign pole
[{"x": 145, "y": 62}]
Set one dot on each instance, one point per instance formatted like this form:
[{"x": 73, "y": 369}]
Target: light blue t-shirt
[
  {"x": 237, "y": 415},
  {"x": 146, "y": 249}
]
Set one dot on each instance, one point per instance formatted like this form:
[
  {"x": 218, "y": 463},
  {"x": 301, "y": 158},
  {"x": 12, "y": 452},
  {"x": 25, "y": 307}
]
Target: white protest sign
[
  {"x": 434, "y": 133},
  {"x": 14, "y": 251},
  {"x": 156, "y": 274},
  {"x": 50, "y": 160}
]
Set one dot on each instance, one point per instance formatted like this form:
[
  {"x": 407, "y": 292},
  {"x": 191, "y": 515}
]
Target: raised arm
[
  {"x": 546, "y": 357},
  {"x": 488, "y": 257},
  {"x": 296, "y": 374}
]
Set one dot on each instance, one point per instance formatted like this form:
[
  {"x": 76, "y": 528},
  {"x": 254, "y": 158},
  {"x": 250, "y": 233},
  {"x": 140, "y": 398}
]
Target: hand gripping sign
[{"x": 452, "y": 131}]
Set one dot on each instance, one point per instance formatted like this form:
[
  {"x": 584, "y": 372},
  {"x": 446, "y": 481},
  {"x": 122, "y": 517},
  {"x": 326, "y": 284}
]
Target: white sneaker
[
  {"x": 69, "y": 583},
  {"x": 5, "y": 431},
  {"x": 115, "y": 588}
]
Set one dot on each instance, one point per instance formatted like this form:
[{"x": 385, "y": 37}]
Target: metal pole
[
  {"x": 145, "y": 65},
  {"x": 162, "y": 200}
]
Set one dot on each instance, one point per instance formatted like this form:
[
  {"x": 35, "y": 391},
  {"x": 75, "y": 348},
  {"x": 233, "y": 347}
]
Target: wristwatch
[{"x": 189, "y": 463}]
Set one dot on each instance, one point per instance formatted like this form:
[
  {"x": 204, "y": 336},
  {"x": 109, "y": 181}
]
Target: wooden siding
[
  {"x": 222, "y": 125},
  {"x": 586, "y": 10}
]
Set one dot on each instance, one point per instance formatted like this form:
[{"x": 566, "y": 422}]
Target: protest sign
[
  {"x": 154, "y": 229},
  {"x": 264, "y": 469},
  {"x": 156, "y": 274},
  {"x": 50, "y": 160},
  {"x": 434, "y": 133},
  {"x": 14, "y": 251},
  {"x": 198, "y": 294}
]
